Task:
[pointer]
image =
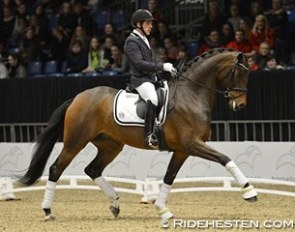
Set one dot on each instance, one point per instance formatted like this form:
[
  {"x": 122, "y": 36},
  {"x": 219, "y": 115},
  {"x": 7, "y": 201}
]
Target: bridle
[{"x": 226, "y": 93}]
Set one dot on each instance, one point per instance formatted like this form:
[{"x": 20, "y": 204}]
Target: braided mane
[{"x": 204, "y": 56}]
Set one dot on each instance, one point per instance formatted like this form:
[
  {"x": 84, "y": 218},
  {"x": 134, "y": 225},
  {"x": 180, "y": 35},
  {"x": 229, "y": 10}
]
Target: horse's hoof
[
  {"x": 49, "y": 217},
  {"x": 249, "y": 194},
  {"x": 115, "y": 211},
  {"x": 164, "y": 213},
  {"x": 252, "y": 199}
]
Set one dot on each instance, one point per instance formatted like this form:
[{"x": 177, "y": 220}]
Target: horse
[{"x": 88, "y": 117}]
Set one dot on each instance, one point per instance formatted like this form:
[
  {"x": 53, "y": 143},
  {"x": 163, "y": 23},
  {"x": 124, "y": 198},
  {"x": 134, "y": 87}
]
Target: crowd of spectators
[{"x": 65, "y": 31}]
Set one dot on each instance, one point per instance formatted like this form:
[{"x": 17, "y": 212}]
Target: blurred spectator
[
  {"x": 227, "y": 33},
  {"x": 278, "y": 19},
  {"x": 261, "y": 32},
  {"x": 240, "y": 43},
  {"x": 162, "y": 32},
  {"x": 41, "y": 32},
  {"x": 182, "y": 57},
  {"x": 59, "y": 44},
  {"x": 95, "y": 57},
  {"x": 15, "y": 67},
  {"x": 18, "y": 33},
  {"x": 235, "y": 17},
  {"x": 110, "y": 30},
  {"x": 213, "y": 20},
  {"x": 80, "y": 34},
  {"x": 7, "y": 24},
  {"x": 108, "y": 43},
  {"x": 272, "y": 63},
  {"x": 76, "y": 58},
  {"x": 21, "y": 11},
  {"x": 67, "y": 20},
  {"x": 31, "y": 46},
  {"x": 83, "y": 17},
  {"x": 3, "y": 51},
  {"x": 154, "y": 42},
  {"x": 161, "y": 55},
  {"x": 262, "y": 54},
  {"x": 245, "y": 25},
  {"x": 171, "y": 48},
  {"x": 3, "y": 70},
  {"x": 288, "y": 4},
  {"x": 253, "y": 66},
  {"x": 211, "y": 41},
  {"x": 243, "y": 6},
  {"x": 255, "y": 10},
  {"x": 119, "y": 61},
  {"x": 152, "y": 6},
  {"x": 42, "y": 16}
]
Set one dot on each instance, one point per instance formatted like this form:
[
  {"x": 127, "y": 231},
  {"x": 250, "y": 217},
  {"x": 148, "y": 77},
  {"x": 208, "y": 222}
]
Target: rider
[{"x": 144, "y": 68}]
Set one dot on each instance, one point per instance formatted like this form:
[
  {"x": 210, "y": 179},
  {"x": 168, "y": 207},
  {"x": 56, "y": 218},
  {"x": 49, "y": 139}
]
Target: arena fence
[
  {"x": 148, "y": 188},
  {"x": 264, "y": 130}
]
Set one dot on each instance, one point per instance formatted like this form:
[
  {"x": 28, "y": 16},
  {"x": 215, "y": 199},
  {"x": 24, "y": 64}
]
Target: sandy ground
[{"x": 88, "y": 210}]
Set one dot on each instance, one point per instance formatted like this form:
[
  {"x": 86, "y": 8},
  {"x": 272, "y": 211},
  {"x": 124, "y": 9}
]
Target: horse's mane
[{"x": 203, "y": 57}]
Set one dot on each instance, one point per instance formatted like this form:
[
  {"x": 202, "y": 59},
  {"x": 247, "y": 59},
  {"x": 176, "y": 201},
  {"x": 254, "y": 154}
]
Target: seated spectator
[
  {"x": 227, "y": 34},
  {"x": 262, "y": 54},
  {"x": 261, "y": 32},
  {"x": 83, "y": 17},
  {"x": 245, "y": 25},
  {"x": 18, "y": 34},
  {"x": 235, "y": 17},
  {"x": 7, "y": 24},
  {"x": 3, "y": 70},
  {"x": 272, "y": 63},
  {"x": 171, "y": 48},
  {"x": 253, "y": 66},
  {"x": 278, "y": 19},
  {"x": 42, "y": 16},
  {"x": 76, "y": 58},
  {"x": 31, "y": 46},
  {"x": 182, "y": 58},
  {"x": 154, "y": 42},
  {"x": 59, "y": 44},
  {"x": 21, "y": 11},
  {"x": 213, "y": 20},
  {"x": 110, "y": 31},
  {"x": 67, "y": 20},
  {"x": 211, "y": 41},
  {"x": 152, "y": 6},
  {"x": 108, "y": 43},
  {"x": 119, "y": 61},
  {"x": 95, "y": 57},
  {"x": 80, "y": 34},
  {"x": 40, "y": 32},
  {"x": 161, "y": 55},
  {"x": 255, "y": 10},
  {"x": 15, "y": 67},
  {"x": 162, "y": 32},
  {"x": 240, "y": 43}
]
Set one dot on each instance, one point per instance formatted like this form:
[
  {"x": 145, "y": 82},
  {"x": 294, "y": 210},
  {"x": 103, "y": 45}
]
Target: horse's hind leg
[
  {"x": 63, "y": 160},
  {"x": 107, "y": 151},
  {"x": 202, "y": 150}
]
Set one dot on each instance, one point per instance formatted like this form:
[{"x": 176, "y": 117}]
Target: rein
[{"x": 224, "y": 93}]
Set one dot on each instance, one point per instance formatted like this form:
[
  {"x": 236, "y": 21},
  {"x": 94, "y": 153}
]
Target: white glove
[{"x": 168, "y": 67}]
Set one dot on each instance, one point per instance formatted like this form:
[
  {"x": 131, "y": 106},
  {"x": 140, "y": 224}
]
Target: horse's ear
[{"x": 240, "y": 57}]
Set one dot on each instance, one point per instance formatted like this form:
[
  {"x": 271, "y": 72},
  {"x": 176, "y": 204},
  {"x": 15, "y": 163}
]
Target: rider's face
[{"x": 147, "y": 26}]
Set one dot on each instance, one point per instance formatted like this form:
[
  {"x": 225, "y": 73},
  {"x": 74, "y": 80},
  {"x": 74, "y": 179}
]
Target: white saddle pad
[{"x": 124, "y": 108}]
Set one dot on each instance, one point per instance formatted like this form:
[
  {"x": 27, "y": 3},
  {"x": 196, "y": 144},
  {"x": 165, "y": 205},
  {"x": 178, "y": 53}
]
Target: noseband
[{"x": 226, "y": 93}]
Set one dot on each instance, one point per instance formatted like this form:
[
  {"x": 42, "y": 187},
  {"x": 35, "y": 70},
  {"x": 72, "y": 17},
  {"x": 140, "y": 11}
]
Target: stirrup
[{"x": 151, "y": 141}]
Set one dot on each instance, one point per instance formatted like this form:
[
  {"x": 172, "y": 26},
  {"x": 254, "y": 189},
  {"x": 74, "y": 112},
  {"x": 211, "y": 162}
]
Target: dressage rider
[{"x": 144, "y": 68}]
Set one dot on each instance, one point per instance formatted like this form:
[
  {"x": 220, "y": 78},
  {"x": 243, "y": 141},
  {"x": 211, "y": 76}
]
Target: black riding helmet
[{"x": 141, "y": 15}]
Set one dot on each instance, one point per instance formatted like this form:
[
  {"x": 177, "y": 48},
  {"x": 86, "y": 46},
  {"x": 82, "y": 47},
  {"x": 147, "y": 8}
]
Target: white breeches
[{"x": 147, "y": 91}]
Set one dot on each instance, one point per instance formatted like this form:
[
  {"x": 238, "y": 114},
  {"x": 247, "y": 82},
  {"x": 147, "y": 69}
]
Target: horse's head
[{"x": 233, "y": 77}]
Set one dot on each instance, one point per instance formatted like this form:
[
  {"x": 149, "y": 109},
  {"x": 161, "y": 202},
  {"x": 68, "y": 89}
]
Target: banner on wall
[{"x": 269, "y": 160}]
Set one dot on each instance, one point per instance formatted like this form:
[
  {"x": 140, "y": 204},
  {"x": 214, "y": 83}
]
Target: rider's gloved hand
[{"x": 168, "y": 67}]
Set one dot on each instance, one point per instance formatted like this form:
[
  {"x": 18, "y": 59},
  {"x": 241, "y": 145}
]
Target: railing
[{"x": 278, "y": 130}]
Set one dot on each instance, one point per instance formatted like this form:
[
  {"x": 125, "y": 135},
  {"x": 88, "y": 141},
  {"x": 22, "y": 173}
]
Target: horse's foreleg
[
  {"x": 107, "y": 151},
  {"x": 206, "y": 152},
  {"x": 55, "y": 171},
  {"x": 175, "y": 164}
]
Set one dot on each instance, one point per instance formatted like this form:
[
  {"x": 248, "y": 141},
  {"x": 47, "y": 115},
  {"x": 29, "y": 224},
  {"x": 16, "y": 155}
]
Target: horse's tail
[{"x": 45, "y": 144}]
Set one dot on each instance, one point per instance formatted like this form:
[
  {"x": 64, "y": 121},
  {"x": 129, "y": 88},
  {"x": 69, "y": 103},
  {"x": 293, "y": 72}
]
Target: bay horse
[{"x": 89, "y": 118}]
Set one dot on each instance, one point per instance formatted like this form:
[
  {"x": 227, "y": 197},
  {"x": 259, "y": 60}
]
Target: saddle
[{"x": 129, "y": 108}]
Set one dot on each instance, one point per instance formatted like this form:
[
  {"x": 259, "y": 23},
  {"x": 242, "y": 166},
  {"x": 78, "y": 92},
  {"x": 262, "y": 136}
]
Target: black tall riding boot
[{"x": 151, "y": 140}]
